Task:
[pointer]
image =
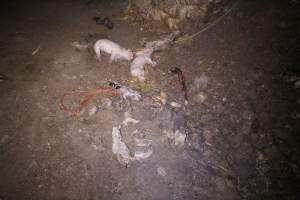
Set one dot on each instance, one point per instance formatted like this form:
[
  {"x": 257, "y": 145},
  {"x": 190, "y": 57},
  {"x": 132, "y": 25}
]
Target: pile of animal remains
[
  {"x": 141, "y": 58},
  {"x": 139, "y": 61}
]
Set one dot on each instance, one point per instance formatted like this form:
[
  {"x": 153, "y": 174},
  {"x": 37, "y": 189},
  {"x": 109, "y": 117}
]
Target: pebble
[
  {"x": 163, "y": 97},
  {"x": 199, "y": 62},
  {"x": 260, "y": 156},
  {"x": 4, "y": 139},
  {"x": 201, "y": 82},
  {"x": 207, "y": 134},
  {"x": 179, "y": 138},
  {"x": 161, "y": 171},
  {"x": 2, "y": 78},
  {"x": 297, "y": 84},
  {"x": 175, "y": 105},
  {"x": 199, "y": 98},
  {"x": 107, "y": 103},
  {"x": 93, "y": 110}
]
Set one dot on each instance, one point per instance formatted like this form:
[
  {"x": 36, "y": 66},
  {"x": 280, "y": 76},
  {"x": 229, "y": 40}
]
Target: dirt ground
[{"x": 241, "y": 123}]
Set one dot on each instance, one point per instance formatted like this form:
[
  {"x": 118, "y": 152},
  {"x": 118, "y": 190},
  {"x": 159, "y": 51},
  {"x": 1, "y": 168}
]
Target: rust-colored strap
[{"x": 85, "y": 100}]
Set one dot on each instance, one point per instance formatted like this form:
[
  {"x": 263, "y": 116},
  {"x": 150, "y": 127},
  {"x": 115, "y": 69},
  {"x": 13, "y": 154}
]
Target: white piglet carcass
[
  {"x": 137, "y": 67},
  {"x": 117, "y": 52}
]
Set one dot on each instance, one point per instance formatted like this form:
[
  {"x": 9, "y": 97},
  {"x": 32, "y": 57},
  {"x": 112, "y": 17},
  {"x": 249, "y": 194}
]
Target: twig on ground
[{"x": 182, "y": 39}]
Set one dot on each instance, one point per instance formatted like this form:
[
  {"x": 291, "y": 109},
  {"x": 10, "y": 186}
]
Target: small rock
[
  {"x": 295, "y": 115},
  {"x": 201, "y": 82},
  {"x": 2, "y": 78},
  {"x": 207, "y": 153},
  {"x": 98, "y": 148},
  {"x": 33, "y": 164},
  {"x": 207, "y": 134},
  {"x": 199, "y": 62},
  {"x": 195, "y": 142},
  {"x": 297, "y": 84},
  {"x": 93, "y": 110},
  {"x": 143, "y": 41},
  {"x": 163, "y": 97},
  {"x": 175, "y": 105},
  {"x": 248, "y": 115},
  {"x": 169, "y": 133},
  {"x": 260, "y": 156},
  {"x": 161, "y": 171},
  {"x": 4, "y": 139},
  {"x": 199, "y": 98},
  {"x": 179, "y": 138},
  {"x": 292, "y": 79},
  {"x": 107, "y": 102}
]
